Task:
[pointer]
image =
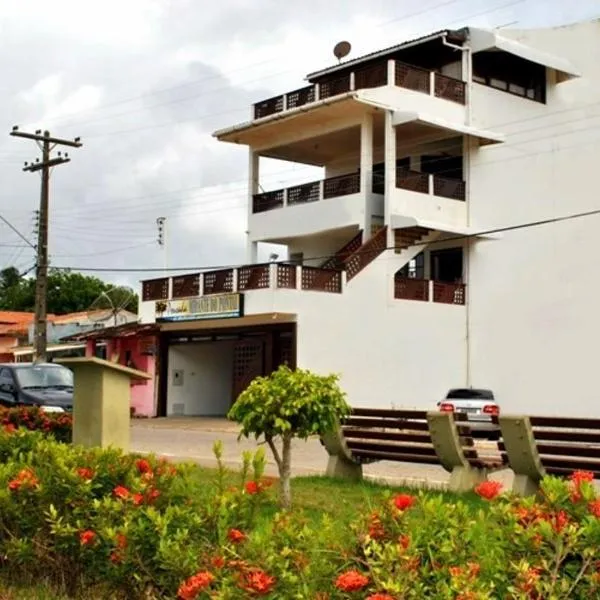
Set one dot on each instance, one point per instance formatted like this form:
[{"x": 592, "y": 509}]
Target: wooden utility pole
[{"x": 46, "y": 143}]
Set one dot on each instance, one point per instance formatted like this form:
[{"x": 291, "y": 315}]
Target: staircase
[
  {"x": 337, "y": 260},
  {"x": 409, "y": 236},
  {"x": 365, "y": 254}
]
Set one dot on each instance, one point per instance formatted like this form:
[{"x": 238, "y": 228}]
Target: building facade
[{"x": 458, "y": 172}]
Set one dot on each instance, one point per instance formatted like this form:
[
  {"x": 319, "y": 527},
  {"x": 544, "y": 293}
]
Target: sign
[{"x": 220, "y": 306}]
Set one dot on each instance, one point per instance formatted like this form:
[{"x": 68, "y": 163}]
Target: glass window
[{"x": 43, "y": 376}]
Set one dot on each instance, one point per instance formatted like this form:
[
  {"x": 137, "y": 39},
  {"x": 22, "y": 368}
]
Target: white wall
[
  {"x": 534, "y": 292},
  {"x": 428, "y": 207},
  {"x": 306, "y": 219},
  {"x": 207, "y": 378}
]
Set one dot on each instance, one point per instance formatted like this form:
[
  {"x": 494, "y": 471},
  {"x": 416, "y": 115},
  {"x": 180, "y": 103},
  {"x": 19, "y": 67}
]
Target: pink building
[{"x": 132, "y": 345}]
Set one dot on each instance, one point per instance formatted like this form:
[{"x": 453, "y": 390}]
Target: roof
[
  {"x": 125, "y": 330},
  {"x": 12, "y": 317},
  {"x": 381, "y": 53}
]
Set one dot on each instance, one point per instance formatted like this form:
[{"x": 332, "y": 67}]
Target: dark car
[{"x": 46, "y": 385}]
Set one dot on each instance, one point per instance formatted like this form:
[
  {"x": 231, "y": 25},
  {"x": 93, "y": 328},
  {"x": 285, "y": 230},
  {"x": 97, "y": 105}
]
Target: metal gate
[{"x": 248, "y": 363}]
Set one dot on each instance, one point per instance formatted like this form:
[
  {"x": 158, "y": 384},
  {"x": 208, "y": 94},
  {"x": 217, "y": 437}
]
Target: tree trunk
[{"x": 285, "y": 472}]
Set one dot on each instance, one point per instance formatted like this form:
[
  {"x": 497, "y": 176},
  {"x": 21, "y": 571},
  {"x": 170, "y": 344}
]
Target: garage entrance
[{"x": 202, "y": 372}]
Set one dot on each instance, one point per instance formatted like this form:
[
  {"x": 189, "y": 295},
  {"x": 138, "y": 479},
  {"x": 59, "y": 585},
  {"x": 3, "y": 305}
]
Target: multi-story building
[{"x": 434, "y": 253}]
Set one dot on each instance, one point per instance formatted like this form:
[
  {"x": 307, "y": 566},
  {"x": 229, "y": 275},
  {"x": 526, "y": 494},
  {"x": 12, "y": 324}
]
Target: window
[
  {"x": 414, "y": 269},
  {"x": 447, "y": 265},
  {"x": 296, "y": 258},
  {"x": 511, "y": 74}
]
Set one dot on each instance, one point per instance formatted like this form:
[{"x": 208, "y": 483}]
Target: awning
[
  {"x": 485, "y": 39},
  {"x": 230, "y": 323},
  {"x": 485, "y": 137},
  {"x": 27, "y": 350}
]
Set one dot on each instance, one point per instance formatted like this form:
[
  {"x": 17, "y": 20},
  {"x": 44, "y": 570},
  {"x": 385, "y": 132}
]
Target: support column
[
  {"x": 366, "y": 172},
  {"x": 253, "y": 187},
  {"x": 390, "y": 172}
]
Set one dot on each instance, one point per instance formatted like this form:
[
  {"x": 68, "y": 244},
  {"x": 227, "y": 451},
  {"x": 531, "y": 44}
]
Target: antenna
[
  {"x": 341, "y": 50},
  {"x": 108, "y": 305}
]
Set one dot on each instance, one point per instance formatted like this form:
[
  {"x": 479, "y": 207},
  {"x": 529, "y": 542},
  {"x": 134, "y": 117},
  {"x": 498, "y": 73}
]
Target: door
[
  {"x": 447, "y": 265},
  {"x": 248, "y": 363}
]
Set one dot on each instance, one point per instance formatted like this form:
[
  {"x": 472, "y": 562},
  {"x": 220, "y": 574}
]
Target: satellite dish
[
  {"x": 108, "y": 305},
  {"x": 341, "y": 50}
]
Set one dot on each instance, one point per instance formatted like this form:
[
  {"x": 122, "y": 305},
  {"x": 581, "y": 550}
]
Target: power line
[
  {"x": 9, "y": 224},
  {"x": 327, "y": 256}
]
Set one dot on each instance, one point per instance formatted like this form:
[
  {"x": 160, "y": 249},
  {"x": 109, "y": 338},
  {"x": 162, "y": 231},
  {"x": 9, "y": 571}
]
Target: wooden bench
[
  {"x": 536, "y": 446},
  {"x": 410, "y": 436}
]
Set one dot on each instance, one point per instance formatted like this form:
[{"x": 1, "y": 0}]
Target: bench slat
[
  {"x": 370, "y": 434},
  {"x": 567, "y": 471},
  {"x": 386, "y": 423},
  {"x": 570, "y": 464},
  {"x": 565, "y": 422},
  {"x": 389, "y": 413},
  {"x": 392, "y": 448},
  {"x": 409, "y": 458},
  {"x": 567, "y": 436},
  {"x": 571, "y": 450}
]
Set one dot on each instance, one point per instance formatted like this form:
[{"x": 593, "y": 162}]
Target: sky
[{"x": 145, "y": 83}]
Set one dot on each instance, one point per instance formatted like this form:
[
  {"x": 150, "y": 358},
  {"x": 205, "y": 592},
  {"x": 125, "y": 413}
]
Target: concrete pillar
[
  {"x": 390, "y": 172},
  {"x": 90, "y": 348},
  {"x": 366, "y": 171},
  {"x": 253, "y": 187}
]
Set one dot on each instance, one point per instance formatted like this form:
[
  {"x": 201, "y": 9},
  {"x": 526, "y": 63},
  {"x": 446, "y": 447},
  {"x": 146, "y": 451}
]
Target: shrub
[
  {"x": 289, "y": 404},
  {"x": 33, "y": 418}
]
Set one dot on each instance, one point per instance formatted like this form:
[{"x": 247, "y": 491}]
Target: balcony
[
  {"x": 243, "y": 279},
  {"x": 425, "y": 183},
  {"x": 343, "y": 185},
  {"x": 393, "y": 73},
  {"x": 425, "y": 290}
]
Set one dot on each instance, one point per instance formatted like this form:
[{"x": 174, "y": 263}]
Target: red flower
[
  {"x": 9, "y": 428},
  {"x": 24, "y": 479},
  {"x": 559, "y": 521},
  {"x": 404, "y": 541},
  {"x": 351, "y": 581},
  {"x": 85, "y": 473},
  {"x": 137, "y": 499},
  {"x": 218, "y": 562},
  {"x": 121, "y": 540},
  {"x": 87, "y": 537},
  {"x": 380, "y": 597},
  {"x": 143, "y": 466},
  {"x": 474, "y": 569},
  {"x": 236, "y": 536},
  {"x": 578, "y": 477},
  {"x": 404, "y": 501},
  {"x": 595, "y": 508},
  {"x": 488, "y": 489},
  {"x": 252, "y": 488},
  {"x": 258, "y": 582},
  {"x": 455, "y": 571},
  {"x": 153, "y": 494},
  {"x": 376, "y": 529},
  {"x": 191, "y": 587},
  {"x": 121, "y": 492},
  {"x": 116, "y": 557}
]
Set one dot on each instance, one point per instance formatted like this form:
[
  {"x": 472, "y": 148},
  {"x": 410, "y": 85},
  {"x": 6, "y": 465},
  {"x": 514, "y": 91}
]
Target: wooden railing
[
  {"x": 186, "y": 286},
  {"x": 411, "y": 289},
  {"x": 267, "y": 201},
  {"x": 254, "y": 277},
  {"x": 155, "y": 289},
  {"x": 321, "y": 280},
  {"x": 286, "y": 276},
  {"x": 449, "y": 293},
  {"x": 426, "y": 290},
  {"x": 341, "y": 185},
  {"x": 425, "y": 183},
  {"x": 366, "y": 254},
  {"x": 376, "y": 75},
  {"x": 337, "y": 260},
  {"x": 218, "y": 282}
]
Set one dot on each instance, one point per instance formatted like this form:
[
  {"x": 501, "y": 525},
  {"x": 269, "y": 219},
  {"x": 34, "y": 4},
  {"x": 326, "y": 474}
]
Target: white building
[{"x": 414, "y": 264}]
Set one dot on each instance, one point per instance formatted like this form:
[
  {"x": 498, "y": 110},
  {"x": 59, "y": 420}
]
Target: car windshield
[
  {"x": 44, "y": 377},
  {"x": 469, "y": 394}
]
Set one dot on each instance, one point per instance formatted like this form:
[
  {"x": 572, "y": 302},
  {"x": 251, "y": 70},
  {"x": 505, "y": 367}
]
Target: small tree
[{"x": 285, "y": 405}]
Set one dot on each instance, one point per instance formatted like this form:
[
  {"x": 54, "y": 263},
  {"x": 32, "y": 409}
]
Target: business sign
[{"x": 220, "y": 306}]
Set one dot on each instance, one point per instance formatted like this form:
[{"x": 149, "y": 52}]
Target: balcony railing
[
  {"x": 425, "y": 183},
  {"x": 376, "y": 75},
  {"x": 425, "y": 290},
  {"x": 314, "y": 191},
  {"x": 244, "y": 279}
]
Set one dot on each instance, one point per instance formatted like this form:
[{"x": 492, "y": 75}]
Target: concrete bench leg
[
  {"x": 341, "y": 467},
  {"x": 340, "y": 462},
  {"x": 464, "y": 479},
  {"x": 522, "y": 453}
]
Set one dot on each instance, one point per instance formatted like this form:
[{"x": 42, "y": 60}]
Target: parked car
[
  {"x": 47, "y": 385},
  {"x": 478, "y": 405}
]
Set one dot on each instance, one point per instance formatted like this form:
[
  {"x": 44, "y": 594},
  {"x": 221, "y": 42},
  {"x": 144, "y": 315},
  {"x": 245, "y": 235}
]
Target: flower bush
[
  {"x": 139, "y": 527},
  {"x": 58, "y": 425}
]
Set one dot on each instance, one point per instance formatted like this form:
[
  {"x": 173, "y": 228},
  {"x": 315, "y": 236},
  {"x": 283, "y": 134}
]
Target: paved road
[{"x": 187, "y": 439}]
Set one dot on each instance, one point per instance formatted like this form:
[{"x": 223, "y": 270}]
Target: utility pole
[{"x": 46, "y": 144}]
